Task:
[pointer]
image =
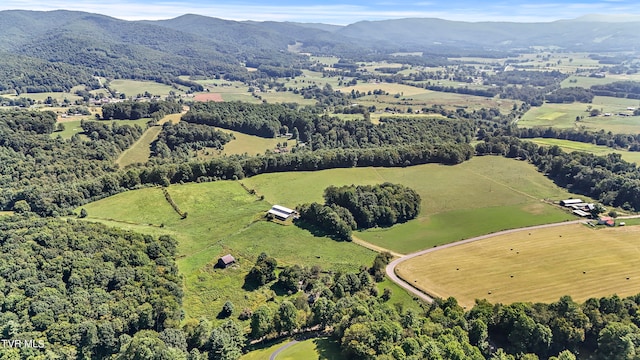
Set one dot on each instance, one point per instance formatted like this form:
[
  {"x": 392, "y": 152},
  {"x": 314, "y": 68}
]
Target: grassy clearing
[
  {"x": 570, "y": 146},
  {"x": 243, "y": 143},
  {"x": 285, "y": 97},
  {"x": 222, "y": 218},
  {"x": 483, "y": 195},
  {"x": 140, "y": 151},
  {"x": 400, "y": 298},
  {"x": 72, "y": 127},
  {"x": 312, "y": 349},
  {"x": 135, "y": 87},
  {"x": 536, "y": 266},
  {"x": 564, "y": 116},
  {"x": 391, "y": 88}
]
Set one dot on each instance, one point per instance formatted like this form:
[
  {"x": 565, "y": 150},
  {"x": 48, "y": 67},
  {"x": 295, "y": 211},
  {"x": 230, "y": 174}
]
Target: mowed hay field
[
  {"x": 533, "y": 266},
  {"x": 222, "y": 219},
  {"x": 480, "y": 196}
]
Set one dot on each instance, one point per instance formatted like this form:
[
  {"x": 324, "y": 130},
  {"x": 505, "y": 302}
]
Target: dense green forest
[
  {"x": 82, "y": 289},
  {"x": 45, "y": 171},
  {"x": 354, "y": 207}
]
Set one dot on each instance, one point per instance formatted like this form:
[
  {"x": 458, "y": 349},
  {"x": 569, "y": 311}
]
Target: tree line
[
  {"x": 134, "y": 110},
  {"x": 619, "y": 89},
  {"x": 322, "y": 131}
]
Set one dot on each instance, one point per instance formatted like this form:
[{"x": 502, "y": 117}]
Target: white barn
[{"x": 281, "y": 213}]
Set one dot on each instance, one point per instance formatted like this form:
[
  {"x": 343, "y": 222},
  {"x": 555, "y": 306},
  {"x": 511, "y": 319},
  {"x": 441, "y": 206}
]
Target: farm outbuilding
[
  {"x": 281, "y": 213},
  {"x": 581, "y": 213},
  {"x": 569, "y": 202},
  {"x": 226, "y": 261}
]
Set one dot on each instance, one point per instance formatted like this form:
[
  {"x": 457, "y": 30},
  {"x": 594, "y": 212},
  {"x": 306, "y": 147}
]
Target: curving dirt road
[{"x": 391, "y": 273}]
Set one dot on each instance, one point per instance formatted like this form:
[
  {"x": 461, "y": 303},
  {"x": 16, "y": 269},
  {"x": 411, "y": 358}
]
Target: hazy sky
[{"x": 339, "y": 12}]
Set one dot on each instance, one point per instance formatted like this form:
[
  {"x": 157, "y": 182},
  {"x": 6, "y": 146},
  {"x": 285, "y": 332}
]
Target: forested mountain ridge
[{"x": 98, "y": 45}]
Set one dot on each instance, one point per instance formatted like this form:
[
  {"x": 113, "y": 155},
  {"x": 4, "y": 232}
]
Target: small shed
[{"x": 226, "y": 261}]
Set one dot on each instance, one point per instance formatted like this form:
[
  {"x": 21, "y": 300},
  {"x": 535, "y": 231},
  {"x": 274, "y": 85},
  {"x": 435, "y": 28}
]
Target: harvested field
[
  {"x": 208, "y": 97},
  {"x": 533, "y": 266}
]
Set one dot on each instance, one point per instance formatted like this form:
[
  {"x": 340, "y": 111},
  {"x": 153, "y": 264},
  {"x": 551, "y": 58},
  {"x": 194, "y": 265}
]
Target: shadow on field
[
  {"x": 328, "y": 349},
  {"x": 315, "y": 230}
]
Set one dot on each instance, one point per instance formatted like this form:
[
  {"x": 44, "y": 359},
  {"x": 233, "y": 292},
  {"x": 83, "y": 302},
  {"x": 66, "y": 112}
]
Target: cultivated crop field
[
  {"x": 533, "y": 266},
  {"x": 223, "y": 218},
  {"x": 483, "y": 195}
]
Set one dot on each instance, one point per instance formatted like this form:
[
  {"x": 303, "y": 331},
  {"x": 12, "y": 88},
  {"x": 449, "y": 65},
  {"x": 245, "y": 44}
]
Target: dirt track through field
[{"x": 391, "y": 267}]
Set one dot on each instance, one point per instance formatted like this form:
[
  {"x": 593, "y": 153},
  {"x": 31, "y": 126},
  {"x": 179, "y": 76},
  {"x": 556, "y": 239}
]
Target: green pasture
[
  {"x": 309, "y": 78},
  {"x": 533, "y": 266},
  {"x": 491, "y": 193},
  {"x": 312, "y": 349},
  {"x": 585, "y": 81},
  {"x": 244, "y": 144},
  {"x": 41, "y": 97},
  {"x": 570, "y": 146},
  {"x": 400, "y": 298},
  {"x": 427, "y": 98},
  {"x": 135, "y": 87},
  {"x": 564, "y": 116},
  {"x": 326, "y": 60},
  {"x": 222, "y": 218},
  {"x": 272, "y": 96},
  {"x": 73, "y": 127}
]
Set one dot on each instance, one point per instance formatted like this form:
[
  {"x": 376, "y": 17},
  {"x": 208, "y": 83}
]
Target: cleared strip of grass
[
  {"x": 140, "y": 151},
  {"x": 570, "y": 146},
  {"x": 534, "y": 266}
]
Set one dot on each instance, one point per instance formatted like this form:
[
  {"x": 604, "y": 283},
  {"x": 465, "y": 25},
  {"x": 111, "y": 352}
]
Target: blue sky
[{"x": 339, "y": 12}]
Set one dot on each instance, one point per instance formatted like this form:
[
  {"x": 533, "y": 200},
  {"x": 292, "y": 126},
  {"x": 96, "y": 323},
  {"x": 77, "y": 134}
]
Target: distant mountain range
[{"x": 84, "y": 43}]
